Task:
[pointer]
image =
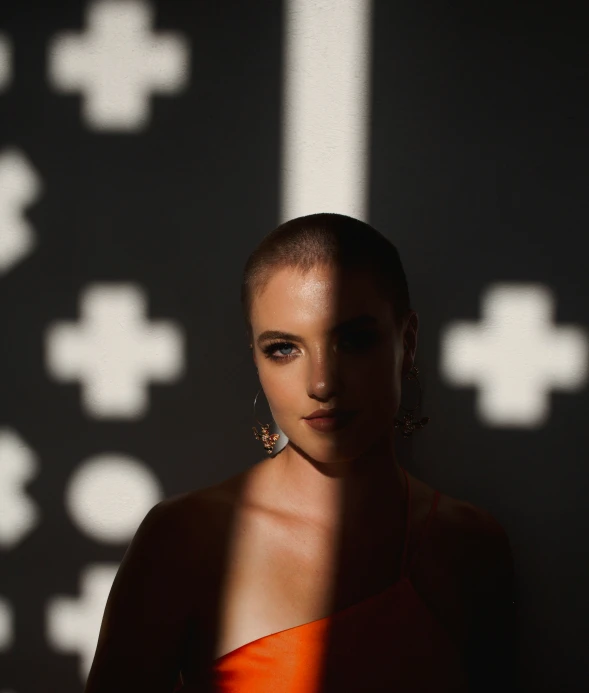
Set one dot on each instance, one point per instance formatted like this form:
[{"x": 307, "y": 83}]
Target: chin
[{"x": 329, "y": 451}]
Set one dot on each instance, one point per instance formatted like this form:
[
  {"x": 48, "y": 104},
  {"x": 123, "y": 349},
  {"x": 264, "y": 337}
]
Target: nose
[{"x": 324, "y": 375}]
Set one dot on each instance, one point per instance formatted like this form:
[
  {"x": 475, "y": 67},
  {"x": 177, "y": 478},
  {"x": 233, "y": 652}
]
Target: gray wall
[{"x": 478, "y": 145}]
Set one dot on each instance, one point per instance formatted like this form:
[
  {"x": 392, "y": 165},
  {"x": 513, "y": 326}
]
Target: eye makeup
[{"x": 359, "y": 341}]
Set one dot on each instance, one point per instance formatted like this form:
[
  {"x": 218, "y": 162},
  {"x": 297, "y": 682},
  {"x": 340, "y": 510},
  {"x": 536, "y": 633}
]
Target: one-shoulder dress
[{"x": 390, "y": 642}]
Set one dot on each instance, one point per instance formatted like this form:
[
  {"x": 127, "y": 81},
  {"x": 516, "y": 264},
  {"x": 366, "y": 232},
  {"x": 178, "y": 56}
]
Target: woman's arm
[
  {"x": 491, "y": 644},
  {"x": 147, "y": 619}
]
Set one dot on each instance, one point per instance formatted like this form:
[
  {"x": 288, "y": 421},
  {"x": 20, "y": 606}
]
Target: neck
[{"x": 366, "y": 489}]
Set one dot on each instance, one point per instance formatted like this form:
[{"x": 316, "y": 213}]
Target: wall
[{"x": 143, "y": 157}]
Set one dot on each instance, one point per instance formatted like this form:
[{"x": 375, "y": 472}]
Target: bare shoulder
[
  {"x": 463, "y": 516},
  {"x": 491, "y": 545},
  {"x": 203, "y": 502},
  {"x": 210, "y": 501},
  {"x": 149, "y": 614},
  {"x": 473, "y": 534},
  {"x": 482, "y": 542},
  {"x": 475, "y": 522},
  {"x": 480, "y": 528},
  {"x": 205, "y": 519}
]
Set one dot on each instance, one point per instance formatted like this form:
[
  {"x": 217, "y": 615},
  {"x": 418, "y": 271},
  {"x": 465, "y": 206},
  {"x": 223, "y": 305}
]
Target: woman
[{"x": 327, "y": 566}]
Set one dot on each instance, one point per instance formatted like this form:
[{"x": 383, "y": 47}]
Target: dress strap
[{"x": 406, "y": 571}]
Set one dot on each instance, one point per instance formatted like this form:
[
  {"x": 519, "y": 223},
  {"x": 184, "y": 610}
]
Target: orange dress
[{"x": 389, "y": 642}]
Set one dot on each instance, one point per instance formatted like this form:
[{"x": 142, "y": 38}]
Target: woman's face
[{"x": 358, "y": 366}]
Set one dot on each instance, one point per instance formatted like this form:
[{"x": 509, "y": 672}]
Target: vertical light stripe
[
  {"x": 325, "y": 110},
  {"x": 5, "y": 61}
]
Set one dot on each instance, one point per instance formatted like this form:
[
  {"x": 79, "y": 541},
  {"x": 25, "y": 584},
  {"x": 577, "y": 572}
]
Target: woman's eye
[
  {"x": 351, "y": 342},
  {"x": 281, "y": 347},
  {"x": 271, "y": 349},
  {"x": 360, "y": 339}
]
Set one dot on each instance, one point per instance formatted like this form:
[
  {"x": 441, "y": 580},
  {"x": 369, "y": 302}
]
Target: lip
[
  {"x": 331, "y": 423},
  {"x": 323, "y": 413}
]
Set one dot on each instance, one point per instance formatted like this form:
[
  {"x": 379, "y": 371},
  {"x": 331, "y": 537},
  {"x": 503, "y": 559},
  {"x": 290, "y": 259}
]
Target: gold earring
[
  {"x": 268, "y": 439},
  {"x": 408, "y": 423}
]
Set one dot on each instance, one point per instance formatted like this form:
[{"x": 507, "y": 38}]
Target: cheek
[
  {"x": 373, "y": 384},
  {"x": 384, "y": 392},
  {"x": 280, "y": 389},
  {"x": 380, "y": 388}
]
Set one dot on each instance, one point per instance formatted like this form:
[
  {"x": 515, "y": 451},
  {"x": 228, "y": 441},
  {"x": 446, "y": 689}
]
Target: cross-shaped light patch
[
  {"x": 19, "y": 515},
  {"x": 115, "y": 351},
  {"x": 118, "y": 63},
  {"x": 19, "y": 187},
  {"x": 5, "y": 62},
  {"x": 73, "y": 625},
  {"x": 515, "y": 356}
]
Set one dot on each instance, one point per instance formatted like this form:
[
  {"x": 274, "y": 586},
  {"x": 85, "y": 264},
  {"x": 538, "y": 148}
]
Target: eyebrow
[{"x": 364, "y": 319}]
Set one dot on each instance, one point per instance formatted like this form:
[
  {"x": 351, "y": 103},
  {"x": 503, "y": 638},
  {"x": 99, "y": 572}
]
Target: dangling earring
[
  {"x": 408, "y": 423},
  {"x": 267, "y": 438}
]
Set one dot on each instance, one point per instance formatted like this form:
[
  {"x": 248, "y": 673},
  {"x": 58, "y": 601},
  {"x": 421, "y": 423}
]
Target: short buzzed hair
[{"x": 331, "y": 240}]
